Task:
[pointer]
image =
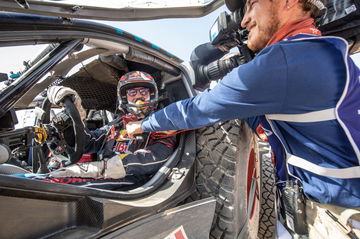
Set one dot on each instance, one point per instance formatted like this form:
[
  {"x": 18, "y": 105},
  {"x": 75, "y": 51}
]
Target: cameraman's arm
[{"x": 255, "y": 88}]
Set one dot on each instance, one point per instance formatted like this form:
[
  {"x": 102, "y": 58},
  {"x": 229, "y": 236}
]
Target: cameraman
[{"x": 294, "y": 84}]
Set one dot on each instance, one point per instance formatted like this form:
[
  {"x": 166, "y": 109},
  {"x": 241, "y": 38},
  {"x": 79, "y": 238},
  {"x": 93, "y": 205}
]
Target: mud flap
[{"x": 192, "y": 220}]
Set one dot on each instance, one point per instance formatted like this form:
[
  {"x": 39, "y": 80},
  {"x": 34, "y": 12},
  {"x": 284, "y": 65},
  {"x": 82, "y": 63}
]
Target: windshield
[{"x": 130, "y": 3}]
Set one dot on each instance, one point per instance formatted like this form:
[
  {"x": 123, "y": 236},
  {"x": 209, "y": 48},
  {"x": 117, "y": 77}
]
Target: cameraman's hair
[{"x": 309, "y": 7}]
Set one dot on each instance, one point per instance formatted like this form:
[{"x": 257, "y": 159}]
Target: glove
[
  {"x": 106, "y": 169},
  {"x": 56, "y": 95}
]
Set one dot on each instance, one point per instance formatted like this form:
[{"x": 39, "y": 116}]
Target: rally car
[{"x": 218, "y": 183}]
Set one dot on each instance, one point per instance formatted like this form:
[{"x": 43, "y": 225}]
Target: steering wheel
[{"x": 74, "y": 152}]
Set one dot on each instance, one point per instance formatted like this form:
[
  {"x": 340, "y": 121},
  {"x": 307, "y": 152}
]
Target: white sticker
[
  {"x": 350, "y": 9},
  {"x": 214, "y": 31}
]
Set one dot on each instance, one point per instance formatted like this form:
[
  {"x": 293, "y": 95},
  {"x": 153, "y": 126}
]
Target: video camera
[{"x": 225, "y": 34}]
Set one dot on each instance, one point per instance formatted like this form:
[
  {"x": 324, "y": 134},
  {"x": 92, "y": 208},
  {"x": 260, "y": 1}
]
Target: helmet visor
[{"x": 141, "y": 91}]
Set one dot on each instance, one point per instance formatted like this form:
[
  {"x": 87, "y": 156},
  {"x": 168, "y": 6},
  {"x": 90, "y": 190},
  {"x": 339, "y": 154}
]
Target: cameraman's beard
[{"x": 264, "y": 33}]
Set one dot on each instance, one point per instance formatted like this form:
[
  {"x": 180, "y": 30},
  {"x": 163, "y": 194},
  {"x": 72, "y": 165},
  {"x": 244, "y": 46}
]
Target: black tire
[
  {"x": 267, "y": 219},
  {"x": 223, "y": 152}
]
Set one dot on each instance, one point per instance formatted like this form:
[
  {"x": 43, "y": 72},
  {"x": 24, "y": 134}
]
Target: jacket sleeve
[
  {"x": 94, "y": 139},
  {"x": 255, "y": 88},
  {"x": 148, "y": 161}
]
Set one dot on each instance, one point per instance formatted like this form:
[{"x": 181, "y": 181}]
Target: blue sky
[{"x": 178, "y": 36}]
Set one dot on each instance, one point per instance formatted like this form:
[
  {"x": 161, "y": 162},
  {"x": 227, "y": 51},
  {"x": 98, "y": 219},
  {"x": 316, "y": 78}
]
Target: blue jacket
[{"x": 289, "y": 77}]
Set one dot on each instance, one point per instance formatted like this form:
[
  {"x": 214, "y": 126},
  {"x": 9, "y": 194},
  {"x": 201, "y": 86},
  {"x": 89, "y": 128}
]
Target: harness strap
[
  {"x": 344, "y": 173},
  {"x": 314, "y": 116}
]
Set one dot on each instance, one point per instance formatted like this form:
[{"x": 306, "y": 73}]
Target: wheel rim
[{"x": 253, "y": 195}]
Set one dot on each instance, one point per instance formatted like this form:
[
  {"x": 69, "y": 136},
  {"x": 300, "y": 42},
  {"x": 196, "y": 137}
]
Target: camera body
[{"x": 225, "y": 33}]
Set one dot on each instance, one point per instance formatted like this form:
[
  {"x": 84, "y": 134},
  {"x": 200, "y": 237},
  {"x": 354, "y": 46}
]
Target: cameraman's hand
[
  {"x": 167, "y": 132},
  {"x": 57, "y": 94},
  {"x": 133, "y": 128}
]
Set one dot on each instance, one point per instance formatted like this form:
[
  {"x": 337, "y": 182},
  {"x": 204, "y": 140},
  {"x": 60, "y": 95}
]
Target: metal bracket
[
  {"x": 76, "y": 8},
  {"x": 176, "y": 174},
  {"x": 23, "y": 3}
]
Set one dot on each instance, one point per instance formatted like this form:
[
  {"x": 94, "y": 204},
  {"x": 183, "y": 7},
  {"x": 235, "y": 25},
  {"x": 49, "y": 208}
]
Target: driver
[{"x": 120, "y": 157}]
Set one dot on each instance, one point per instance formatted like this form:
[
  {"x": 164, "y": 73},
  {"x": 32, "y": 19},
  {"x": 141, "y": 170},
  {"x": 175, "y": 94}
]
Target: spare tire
[{"x": 228, "y": 167}]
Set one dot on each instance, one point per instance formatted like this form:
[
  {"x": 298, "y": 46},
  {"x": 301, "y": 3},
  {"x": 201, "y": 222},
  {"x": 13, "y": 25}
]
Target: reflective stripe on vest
[
  {"x": 315, "y": 116},
  {"x": 318, "y": 116},
  {"x": 344, "y": 173}
]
